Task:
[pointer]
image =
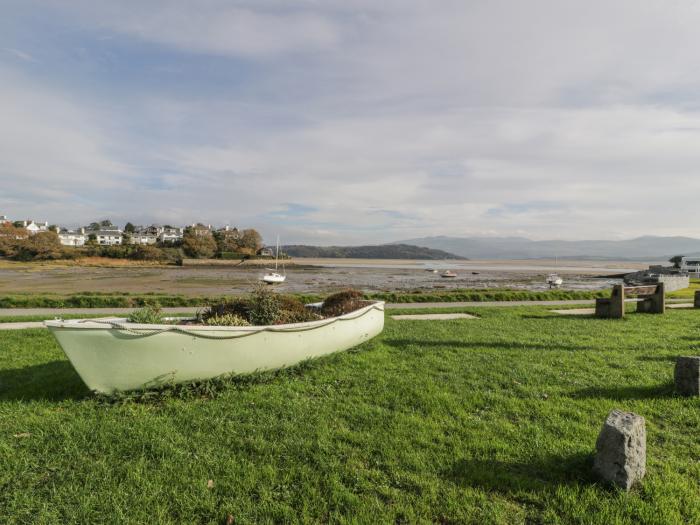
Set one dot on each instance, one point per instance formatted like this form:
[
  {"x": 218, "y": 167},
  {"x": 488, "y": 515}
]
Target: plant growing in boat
[
  {"x": 225, "y": 320},
  {"x": 149, "y": 314},
  {"x": 343, "y": 303}
]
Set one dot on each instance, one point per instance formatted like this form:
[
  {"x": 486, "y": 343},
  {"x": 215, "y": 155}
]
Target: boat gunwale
[{"x": 121, "y": 323}]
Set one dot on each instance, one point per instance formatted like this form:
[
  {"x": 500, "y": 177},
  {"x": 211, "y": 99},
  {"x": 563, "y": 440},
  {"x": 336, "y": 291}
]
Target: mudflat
[{"x": 303, "y": 275}]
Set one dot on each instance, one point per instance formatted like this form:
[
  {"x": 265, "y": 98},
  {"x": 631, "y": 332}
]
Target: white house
[
  {"x": 168, "y": 234},
  {"x": 72, "y": 237},
  {"x": 690, "y": 264},
  {"x": 143, "y": 238},
  {"x": 4, "y": 219},
  {"x": 108, "y": 237},
  {"x": 32, "y": 227}
]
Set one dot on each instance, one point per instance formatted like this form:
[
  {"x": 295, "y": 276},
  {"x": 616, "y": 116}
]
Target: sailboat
[
  {"x": 553, "y": 279},
  {"x": 273, "y": 277}
]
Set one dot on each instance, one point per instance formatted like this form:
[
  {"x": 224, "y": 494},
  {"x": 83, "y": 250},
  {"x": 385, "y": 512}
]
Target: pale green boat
[{"x": 115, "y": 355}]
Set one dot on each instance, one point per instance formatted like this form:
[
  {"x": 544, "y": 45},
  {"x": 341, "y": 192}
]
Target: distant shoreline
[{"x": 505, "y": 265}]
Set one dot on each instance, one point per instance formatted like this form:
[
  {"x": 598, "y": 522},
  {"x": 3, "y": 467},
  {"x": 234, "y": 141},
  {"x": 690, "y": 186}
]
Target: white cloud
[
  {"x": 52, "y": 153},
  {"x": 552, "y": 118}
]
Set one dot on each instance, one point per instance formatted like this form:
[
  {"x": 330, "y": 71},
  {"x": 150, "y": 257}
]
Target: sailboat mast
[{"x": 277, "y": 252}]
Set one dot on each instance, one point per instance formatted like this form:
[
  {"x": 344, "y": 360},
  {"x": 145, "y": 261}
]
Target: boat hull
[{"x": 113, "y": 355}]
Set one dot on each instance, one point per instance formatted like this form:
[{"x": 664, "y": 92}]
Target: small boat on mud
[
  {"x": 273, "y": 277},
  {"x": 115, "y": 355},
  {"x": 447, "y": 274},
  {"x": 554, "y": 281}
]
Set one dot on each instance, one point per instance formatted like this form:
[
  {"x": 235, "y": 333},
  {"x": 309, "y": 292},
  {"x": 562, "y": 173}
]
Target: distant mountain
[
  {"x": 383, "y": 251},
  {"x": 641, "y": 248}
]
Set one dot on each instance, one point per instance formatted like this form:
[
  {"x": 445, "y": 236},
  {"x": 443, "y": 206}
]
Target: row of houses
[
  {"x": 106, "y": 237},
  {"x": 110, "y": 237}
]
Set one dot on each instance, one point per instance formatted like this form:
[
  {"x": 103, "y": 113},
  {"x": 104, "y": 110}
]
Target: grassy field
[
  {"x": 687, "y": 293},
  {"x": 126, "y": 300},
  {"x": 491, "y": 420}
]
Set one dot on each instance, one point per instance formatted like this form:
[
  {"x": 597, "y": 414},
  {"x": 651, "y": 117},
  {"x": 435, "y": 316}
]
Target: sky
[{"x": 355, "y": 121}]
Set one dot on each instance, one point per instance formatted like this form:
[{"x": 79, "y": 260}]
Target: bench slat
[{"x": 641, "y": 290}]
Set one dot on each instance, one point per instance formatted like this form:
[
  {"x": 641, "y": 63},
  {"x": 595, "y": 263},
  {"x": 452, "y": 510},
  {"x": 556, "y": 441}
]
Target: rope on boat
[{"x": 147, "y": 332}]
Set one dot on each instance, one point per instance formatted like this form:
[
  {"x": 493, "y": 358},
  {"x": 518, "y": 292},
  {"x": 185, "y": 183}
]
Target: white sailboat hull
[{"x": 274, "y": 278}]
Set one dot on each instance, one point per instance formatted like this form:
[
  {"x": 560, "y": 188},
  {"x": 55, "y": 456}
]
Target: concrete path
[
  {"x": 432, "y": 317},
  {"x": 575, "y": 311},
  {"x": 21, "y": 326}
]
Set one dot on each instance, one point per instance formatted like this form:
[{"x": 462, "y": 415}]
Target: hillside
[
  {"x": 384, "y": 251},
  {"x": 641, "y": 248}
]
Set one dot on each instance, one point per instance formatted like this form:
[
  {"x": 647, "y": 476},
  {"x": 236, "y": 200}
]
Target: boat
[
  {"x": 447, "y": 274},
  {"x": 112, "y": 354},
  {"x": 554, "y": 281},
  {"x": 431, "y": 270},
  {"x": 273, "y": 277}
]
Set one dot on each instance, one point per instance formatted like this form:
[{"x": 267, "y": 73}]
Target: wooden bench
[{"x": 650, "y": 299}]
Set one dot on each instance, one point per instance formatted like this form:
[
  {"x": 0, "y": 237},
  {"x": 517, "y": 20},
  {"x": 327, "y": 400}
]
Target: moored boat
[
  {"x": 273, "y": 277},
  {"x": 115, "y": 355},
  {"x": 554, "y": 281},
  {"x": 447, "y": 274}
]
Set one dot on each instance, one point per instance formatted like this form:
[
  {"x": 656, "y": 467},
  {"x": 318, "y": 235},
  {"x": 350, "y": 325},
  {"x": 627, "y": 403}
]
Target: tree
[
  {"x": 106, "y": 224},
  {"x": 250, "y": 241},
  {"x": 40, "y": 246},
  {"x": 676, "y": 260},
  {"x": 129, "y": 228},
  {"x": 11, "y": 237},
  {"x": 198, "y": 243}
]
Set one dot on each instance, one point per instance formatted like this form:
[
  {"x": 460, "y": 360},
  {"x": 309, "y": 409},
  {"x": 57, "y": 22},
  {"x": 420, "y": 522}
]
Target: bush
[
  {"x": 146, "y": 253},
  {"x": 226, "y": 320},
  {"x": 343, "y": 303},
  {"x": 40, "y": 246},
  {"x": 292, "y": 310},
  {"x": 264, "y": 306},
  {"x": 149, "y": 314},
  {"x": 238, "y": 307}
]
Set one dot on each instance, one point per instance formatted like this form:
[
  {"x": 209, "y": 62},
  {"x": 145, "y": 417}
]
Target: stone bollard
[
  {"x": 621, "y": 449},
  {"x": 687, "y": 376}
]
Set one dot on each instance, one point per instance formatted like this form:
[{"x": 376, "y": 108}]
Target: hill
[
  {"x": 641, "y": 248},
  {"x": 383, "y": 251}
]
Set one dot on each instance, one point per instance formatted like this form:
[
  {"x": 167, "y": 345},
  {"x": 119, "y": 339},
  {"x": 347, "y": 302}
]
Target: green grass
[
  {"x": 127, "y": 300},
  {"x": 480, "y": 295},
  {"x": 686, "y": 293},
  {"x": 491, "y": 420}
]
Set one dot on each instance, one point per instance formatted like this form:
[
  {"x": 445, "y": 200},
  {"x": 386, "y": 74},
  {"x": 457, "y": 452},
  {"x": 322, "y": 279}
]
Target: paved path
[
  {"x": 57, "y": 312},
  {"x": 21, "y": 326}
]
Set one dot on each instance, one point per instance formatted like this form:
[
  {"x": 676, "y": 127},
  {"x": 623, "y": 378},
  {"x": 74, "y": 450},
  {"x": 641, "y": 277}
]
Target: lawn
[
  {"x": 491, "y": 420},
  {"x": 686, "y": 293}
]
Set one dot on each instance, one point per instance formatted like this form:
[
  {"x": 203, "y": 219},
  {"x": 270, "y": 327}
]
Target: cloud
[
  {"x": 360, "y": 121},
  {"x": 19, "y": 54},
  {"x": 237, "y": 29}
]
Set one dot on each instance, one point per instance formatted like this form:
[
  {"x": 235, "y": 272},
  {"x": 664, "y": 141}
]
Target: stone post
[
  {"x": 621, "y": 449},
  {"x": 687, "y": 376}
]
